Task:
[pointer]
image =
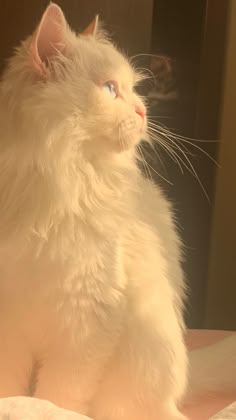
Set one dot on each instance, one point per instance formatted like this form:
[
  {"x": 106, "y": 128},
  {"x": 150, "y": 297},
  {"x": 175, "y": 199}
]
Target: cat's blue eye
[{"x": 110, "y": 89}]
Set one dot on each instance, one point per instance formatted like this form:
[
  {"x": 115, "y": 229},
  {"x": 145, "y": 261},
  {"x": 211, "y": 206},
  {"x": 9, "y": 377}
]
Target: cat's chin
[
  {"x": 131, "y": 142},
  {"x": 118, "y": 145},
  {"x": 127, "y": 145}
]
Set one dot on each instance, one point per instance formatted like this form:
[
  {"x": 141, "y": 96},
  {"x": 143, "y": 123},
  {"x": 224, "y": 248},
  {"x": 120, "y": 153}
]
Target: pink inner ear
[
  {"x": 92, "y": 27},
  {"x": 50, "y": 35}
]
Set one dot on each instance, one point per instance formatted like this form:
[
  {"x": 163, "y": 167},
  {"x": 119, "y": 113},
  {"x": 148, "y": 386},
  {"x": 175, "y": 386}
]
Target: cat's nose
[{"x": 140, "y": 110}]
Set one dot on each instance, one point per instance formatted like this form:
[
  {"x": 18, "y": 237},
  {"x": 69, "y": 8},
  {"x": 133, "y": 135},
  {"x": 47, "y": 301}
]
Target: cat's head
[{"x": 60, "y": 86}]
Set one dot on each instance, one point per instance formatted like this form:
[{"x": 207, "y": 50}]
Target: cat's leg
[
  {"x": 70, "y": 372},
  {"x": 147, "y": 377},
  {"x": 87, "y": 329},
  {"x": 15, "y": 361}
]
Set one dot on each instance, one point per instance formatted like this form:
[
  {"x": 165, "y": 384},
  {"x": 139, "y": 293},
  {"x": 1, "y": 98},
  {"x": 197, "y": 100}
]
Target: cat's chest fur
[{"x": 72, "y": 289}]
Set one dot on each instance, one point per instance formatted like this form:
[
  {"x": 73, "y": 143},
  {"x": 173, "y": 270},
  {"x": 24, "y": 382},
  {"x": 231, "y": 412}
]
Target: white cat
[{"x": 91, "y": 285}]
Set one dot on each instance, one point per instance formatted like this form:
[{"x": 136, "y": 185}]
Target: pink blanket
[{"x": 206, "y": 407}]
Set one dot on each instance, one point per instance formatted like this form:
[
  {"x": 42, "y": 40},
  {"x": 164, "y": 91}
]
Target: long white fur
[{"x": 91, "y": 287}]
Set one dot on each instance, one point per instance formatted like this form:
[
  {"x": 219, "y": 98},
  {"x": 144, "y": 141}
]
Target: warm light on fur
[{"x": 91, "y": 287}]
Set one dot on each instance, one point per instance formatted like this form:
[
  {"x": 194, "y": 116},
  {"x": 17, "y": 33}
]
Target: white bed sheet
[{"x": 27, "y": 408}]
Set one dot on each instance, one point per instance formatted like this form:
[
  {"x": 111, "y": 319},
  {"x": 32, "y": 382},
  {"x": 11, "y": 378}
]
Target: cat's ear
[
  {"x": 92, "y": 28},
  {"x": 49, "y": 38}
]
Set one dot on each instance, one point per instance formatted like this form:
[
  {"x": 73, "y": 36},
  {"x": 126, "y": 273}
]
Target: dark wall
[
  {"x": 130, "y": 21},
  {"x": 193, "y": 34}
]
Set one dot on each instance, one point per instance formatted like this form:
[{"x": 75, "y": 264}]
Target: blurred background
[{"x": 190, "y": 49}]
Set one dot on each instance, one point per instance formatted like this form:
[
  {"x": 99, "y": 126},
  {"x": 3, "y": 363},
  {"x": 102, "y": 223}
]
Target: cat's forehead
[{"x": 103, "y": 60}]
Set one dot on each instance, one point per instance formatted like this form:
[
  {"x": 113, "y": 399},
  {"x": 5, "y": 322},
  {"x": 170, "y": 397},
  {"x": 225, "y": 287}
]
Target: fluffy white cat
[{"x": 91, "y": 286}]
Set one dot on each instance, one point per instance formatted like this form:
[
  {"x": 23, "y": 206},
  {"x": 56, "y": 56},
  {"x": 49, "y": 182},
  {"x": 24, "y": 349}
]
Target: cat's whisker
[
  {"x": 189, "y": 166},
  {"x": 158, "y": 156},
  {"x": 194, "y": 172},
  {"x": 175, "y": 137},
  {"x": 173, "y": 155},
  {"x": 175, "y": 145},
  {"x": 200, "y": 149},
  {"x": 151, "y": 157},
  {"x": 161, "y": 142},
  {"x": 161, "y": 176},
  {"x": 169, "y": 150},
  {"x": 163, "y": 127},
  {"x": 160, "y": 139},
  {"x": 162, "y": 135},
  {"x": 144, "y": 162},
  {"x": 159, "y": 56},
  {"x": 159, "y": 116},
  {"x": 140, "y": 158},
  {"x": 154, "y": 170}
]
